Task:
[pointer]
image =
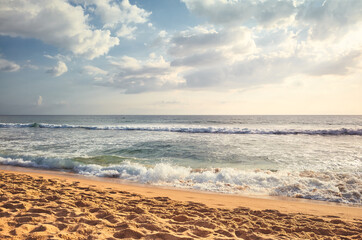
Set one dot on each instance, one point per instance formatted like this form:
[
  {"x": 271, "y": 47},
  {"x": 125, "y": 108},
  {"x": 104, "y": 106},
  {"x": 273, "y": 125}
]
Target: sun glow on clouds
[
  {"x": 253, "y": 43},
  {"x": 235, "y": 48}
]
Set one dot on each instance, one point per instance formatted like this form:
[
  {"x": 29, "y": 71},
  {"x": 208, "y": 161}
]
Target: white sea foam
[
  {"x": 216, "y": 130},
  {"x": 326, "y": 186},
  {"x": 16, "y": 125}
]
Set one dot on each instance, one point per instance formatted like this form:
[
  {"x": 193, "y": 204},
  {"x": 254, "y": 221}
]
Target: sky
[{"x": 180, "y": 57}]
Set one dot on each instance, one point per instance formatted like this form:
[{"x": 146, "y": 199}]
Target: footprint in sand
[
  {"x": 40, "y": 228},
  {"x": 128, "y": 233}
]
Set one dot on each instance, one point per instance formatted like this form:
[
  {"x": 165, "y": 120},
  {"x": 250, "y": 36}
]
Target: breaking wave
[
  {"x": 325, "y": 186},
  {"x": 215, "y": 130}
]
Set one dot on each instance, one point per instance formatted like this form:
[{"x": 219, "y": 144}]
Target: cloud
[
  {"x": 126, "y": 32},
  {"x": 268, "y": 69},
  {"x": 341, "y": 65},
  {"x": 92, "y": 70},
  {"x": 30, "y": 65},
  {"x": 321, "y": 18},
  {"x": 114, "y": 14},
  {"x": 200, "y": 59},
  {"x": 58, "y": 57},
  {"x": 205, "y": 57},
  {"x": 246, "y": 73},
  {"x": 327, "y": 18},
  {"x": 242, "y": 44},
  {"x": 204, "y": 46},
  {"x": 8, "y": 66},
  {"x": 40, "y": 101},
  {"x": 260, "y": 42},
  {"x": 194, "y": 39},
  {"x": 57, "y": 23},
  {"x": 127, "y": 62},
  {"x": 240, "y": 12},
  {"x": 161, "y": 41},
  {"x": 135, "y": 76},
  {"x": 162, "y": 34},
  {"x": 58, "y": 70}
]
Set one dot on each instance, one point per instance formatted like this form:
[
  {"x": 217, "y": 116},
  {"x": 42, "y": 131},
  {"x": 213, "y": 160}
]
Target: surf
[{"x": 209, "y": 130}]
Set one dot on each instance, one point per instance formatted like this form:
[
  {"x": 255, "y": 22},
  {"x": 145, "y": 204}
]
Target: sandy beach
[
  {"x": 46, "y": 205},
  {"x": 182, "y": 119}
]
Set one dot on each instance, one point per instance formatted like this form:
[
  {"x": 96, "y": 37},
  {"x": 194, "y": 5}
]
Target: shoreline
[
  {"x": 46, "y": 205},
  {"x": 211, "y": 199}
]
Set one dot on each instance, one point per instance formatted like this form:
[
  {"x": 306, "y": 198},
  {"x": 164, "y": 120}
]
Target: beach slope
[{"x": 36, "y": 206}]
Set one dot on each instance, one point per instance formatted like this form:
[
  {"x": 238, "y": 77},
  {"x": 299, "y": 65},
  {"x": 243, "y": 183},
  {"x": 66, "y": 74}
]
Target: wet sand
[{"x": 53, "y": 205}]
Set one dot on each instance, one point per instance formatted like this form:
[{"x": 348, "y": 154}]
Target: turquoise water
[{"x": 316, "y": 157}]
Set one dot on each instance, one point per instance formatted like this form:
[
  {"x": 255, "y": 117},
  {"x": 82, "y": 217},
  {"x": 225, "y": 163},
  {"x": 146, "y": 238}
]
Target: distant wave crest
[{"x": 217, "y": 130}]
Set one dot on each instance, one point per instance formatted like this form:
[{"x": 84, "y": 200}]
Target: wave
[
  {"x": 325, "y": 186},
  {"x": 217, "y": 130}
]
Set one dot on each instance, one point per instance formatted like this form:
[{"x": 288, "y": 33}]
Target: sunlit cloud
[
  {"x": 58, "y": 70},
  {"x": 119, "y": 15},
  {"x": 57, "y": 23}
]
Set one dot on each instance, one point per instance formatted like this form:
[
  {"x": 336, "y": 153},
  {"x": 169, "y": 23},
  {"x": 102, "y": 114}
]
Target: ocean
[{"x": 311, "y": 157}]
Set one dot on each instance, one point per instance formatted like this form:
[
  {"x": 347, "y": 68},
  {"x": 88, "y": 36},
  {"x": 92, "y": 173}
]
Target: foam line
[
  {"x": 325, "y": 186},
  {"x": 215, "y": 130}
]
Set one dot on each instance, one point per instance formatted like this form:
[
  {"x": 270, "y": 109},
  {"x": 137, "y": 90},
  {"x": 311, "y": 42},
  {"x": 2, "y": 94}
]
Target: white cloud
[
  {"x": 202, "y": 46},
  {"x": 127, "y": 62},
  {"x": 235, "y": 57},
  {"x": 58, "y": 70},
  {"x": 92, "y": 70},
  {"x": 259, "y": 42},
  {"x": 113, "y": 13},
  {"x": 8, "y": 66},
  {"x": 135, "y": 76},
  {"x": 247, "y": 43},
  {"x": 39, "y": 102},
  {"x": 57, "y": 23},
  {"x": 161, "y": 41},
  {"x": 243, "y": 44},
  {"x": 126, "y": 32},
  {"x": 162, "y": 34},
  {"x": 321, "y": 18}
]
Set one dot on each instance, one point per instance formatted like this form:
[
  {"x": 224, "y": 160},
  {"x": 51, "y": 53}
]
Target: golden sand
[{"x": 43, "y": 206}]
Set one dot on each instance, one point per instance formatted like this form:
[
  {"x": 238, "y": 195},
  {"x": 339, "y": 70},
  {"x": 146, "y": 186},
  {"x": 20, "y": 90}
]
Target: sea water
[{"x": 312, "y": 157}]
